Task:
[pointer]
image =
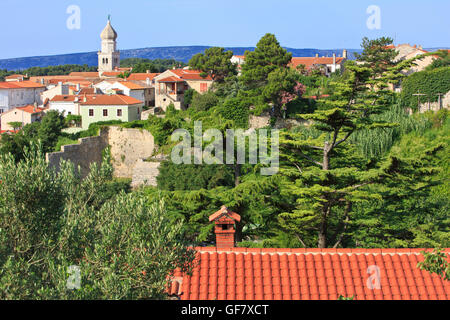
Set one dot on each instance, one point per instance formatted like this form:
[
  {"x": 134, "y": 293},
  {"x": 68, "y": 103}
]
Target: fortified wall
[{"x": 129, "y": 150}]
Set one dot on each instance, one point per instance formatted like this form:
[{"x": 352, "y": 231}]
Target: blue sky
[{"x": 32, "y": 28}]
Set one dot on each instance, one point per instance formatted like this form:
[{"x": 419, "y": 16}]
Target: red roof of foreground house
[
  {"x": 309, "y": 62},
  {"x": 309, "y": 274}
]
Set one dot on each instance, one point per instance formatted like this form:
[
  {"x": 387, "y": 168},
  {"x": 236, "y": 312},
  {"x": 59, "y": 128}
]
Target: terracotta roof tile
[
  {"x": 142, "y": 76},
  {"x": 20, "y": 85},
  {"x": 314, "y": 274}
]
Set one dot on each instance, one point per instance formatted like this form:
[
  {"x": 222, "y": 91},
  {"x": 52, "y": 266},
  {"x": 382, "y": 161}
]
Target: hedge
[{"x": 425, "y": 82}]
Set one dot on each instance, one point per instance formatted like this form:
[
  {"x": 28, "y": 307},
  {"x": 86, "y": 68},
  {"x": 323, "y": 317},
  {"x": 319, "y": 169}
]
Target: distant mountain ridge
[{"x": 183, "y": 53}]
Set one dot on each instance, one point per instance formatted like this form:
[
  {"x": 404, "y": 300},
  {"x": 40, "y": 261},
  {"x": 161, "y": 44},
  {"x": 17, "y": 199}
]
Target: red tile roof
[
  {"x": 20, "y": 85},
  {"x": 171, "y": 79},
  {"x": 15, "y": 76},
  {"x": 63, "y": 98},
  {"x": 31, "y": 109},
  {"x": 131, "y": 85},
  {"x": 309, "y": 62},
  {"x": 84, "y": 74},
  {"x": 113, "y": 100},
  {"x": 112, "y": 73},
  {"x": 187, "y": 74},
  {"x": 309, "y": 274},
  {"x": 142, "y": 76}
]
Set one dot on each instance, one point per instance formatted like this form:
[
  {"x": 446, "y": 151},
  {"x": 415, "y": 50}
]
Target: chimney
[
  {"x": 334, "y": 58},
  {"x": 345, "y": 54},
  {"x": 317, "y": 55},
  {"x": 78, "y": 87},
  {"x": 148, "y": 71},
  {"x": 225, "y": 221}
]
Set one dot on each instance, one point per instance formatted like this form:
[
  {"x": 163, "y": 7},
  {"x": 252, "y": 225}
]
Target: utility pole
[{"x": 418, "y": 94}]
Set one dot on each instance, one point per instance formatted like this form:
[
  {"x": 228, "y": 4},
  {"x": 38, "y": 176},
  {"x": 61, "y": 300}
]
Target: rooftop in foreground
[{"x": 309, "y": 274}]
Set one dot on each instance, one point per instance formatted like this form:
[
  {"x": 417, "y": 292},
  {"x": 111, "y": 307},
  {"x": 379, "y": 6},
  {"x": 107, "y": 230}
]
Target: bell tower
[{"x": 109, "y": 56}]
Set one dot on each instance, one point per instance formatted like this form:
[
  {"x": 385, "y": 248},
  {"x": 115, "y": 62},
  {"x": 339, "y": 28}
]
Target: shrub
[
  {"x": 204, "y": 102},
  {"x": 236, "y": 109}
]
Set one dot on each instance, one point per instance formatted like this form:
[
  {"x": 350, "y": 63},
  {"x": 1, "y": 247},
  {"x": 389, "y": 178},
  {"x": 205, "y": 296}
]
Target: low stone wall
[
  {"x": 88, "y": 151},
  {"x": 145, "y": 173},
  {"x": 262, "y": 121},
  {"x": 128, "y": 148}
]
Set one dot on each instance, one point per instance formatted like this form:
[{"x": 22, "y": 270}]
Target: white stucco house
[{"x": 15, "y": 94}]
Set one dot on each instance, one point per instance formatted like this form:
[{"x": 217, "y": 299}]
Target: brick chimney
[{"x": 225, "y": 230}]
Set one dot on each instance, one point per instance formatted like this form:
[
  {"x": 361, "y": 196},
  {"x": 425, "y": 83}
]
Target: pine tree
[{"x": 325, "y": 174}]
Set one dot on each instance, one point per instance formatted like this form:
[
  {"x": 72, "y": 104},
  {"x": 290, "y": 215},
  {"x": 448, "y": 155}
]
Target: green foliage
[
  {"x": 324, "y": 175},
  {"x": 124, "y": 246},
  {"x": 429, "y": 83},
  {"x": 377, "y": 55},
  {"x": 214, "y": 62},
  {"x": 204, "y": 102},
  {"x": 267, "y": 57},
  {"x": 173, "y": 177},
  {"x": 73, "y": 120},
  {"x": 15, "y": 125},
  {"x": 47, "y": 132},
  {"x": 376, "y": 142},
  {"x": 412, "y": 207},
  {"x": 188, "y": 96},
  {"x": 157, "y": 65},
  {"x": 49, "y": 71},
  {"x": 237, "y": 110},
  {"x": 436, "y": 262},
  {"x": 443, "y": 60}
]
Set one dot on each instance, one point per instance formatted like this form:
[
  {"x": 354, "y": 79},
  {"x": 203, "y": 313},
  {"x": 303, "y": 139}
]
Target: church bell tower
[{"x": 109, "y": 56}]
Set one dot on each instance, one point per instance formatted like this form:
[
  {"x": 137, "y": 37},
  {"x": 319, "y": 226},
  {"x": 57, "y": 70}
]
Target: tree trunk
[
  {"x": 237, "y": 174},
  {"x": 322, "y": 241}
]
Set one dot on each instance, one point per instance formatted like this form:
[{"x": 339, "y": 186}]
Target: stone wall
[
  {"x": 129, "y": 147},
  {"x": 262, "y": 121},
  {"x": 145, "y": 173},
  {"x": 88, "y": 151}
]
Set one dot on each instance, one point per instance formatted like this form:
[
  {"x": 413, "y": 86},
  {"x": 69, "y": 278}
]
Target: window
[
  {"x": 91, "y": 112},
  {"x": 105, "y": 112},
  {"x": 119, "y": 112},
  {"x": 1, "y": 111},
  {"x": 203, "y": 87}
]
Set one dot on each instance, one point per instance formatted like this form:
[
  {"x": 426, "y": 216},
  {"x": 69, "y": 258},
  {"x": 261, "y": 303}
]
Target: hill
[{"x": 178, "y": 53}]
